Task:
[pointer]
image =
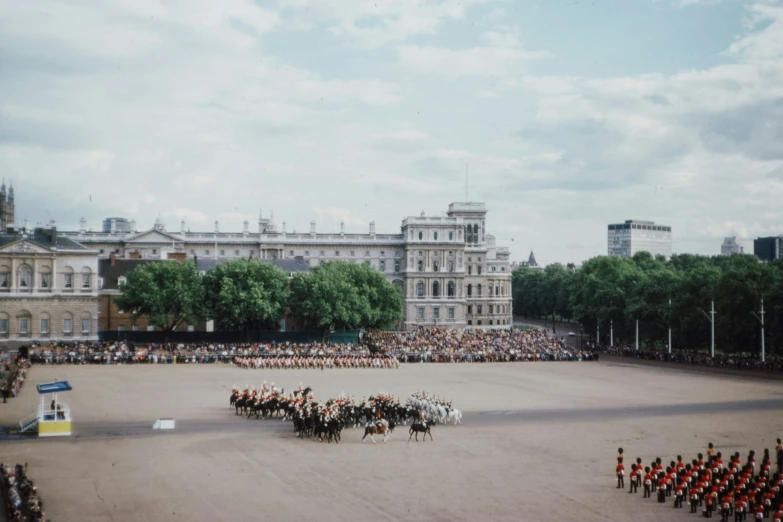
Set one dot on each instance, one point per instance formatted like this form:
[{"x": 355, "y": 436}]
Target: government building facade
[{"x": 448, "y": 268}]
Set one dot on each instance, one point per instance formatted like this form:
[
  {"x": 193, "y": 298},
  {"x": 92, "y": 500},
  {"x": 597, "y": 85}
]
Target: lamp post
[
  {"x": 711, "y": 319},
  {"x": 670, "y": 325},
  {"x": 761, "y": 319},
  {"x": 611, "y": 333},
  {"x": 637, "y": 335}
]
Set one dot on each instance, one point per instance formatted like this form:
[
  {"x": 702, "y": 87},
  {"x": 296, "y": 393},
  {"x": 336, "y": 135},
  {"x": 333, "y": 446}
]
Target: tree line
[
  {"x": 246, "y": 295},
  {"x": 611, "y": 291}
]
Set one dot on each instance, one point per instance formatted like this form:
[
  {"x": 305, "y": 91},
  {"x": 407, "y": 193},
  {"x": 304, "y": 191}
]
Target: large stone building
[
  {"x": 626, "y": 239},
  {"x": 449, "y": 269},
  {"x": 48, "y": 288},
  {"x": 730, "y": 246}
]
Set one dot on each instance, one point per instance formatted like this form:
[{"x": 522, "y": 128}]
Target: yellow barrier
[{"x": 54, "y": 429}]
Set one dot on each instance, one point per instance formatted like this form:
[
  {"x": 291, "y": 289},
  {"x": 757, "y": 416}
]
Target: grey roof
[
  {"x": 288, "y": 265},
  {"x": 44, "y": 238},
  {"x": 532, "y": 259},
  {"x": 122, "y": 267}
]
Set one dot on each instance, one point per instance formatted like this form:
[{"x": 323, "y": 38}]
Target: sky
[{"x": 561, "y": 115}]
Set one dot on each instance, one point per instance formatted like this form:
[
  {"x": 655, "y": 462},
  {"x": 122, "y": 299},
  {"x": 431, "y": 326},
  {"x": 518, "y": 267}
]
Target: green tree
[
  {"x": 339, "y": 295},
  {"x": 167, "y": 293},
  {"x": 244, "y": 295}
]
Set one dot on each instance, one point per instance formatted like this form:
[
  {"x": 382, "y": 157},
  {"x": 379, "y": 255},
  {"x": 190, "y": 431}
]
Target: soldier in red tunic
[
  {"x": 620, "y": 470},
  {"x": 634, "y": 477},
  {"x": 647, "y": 482}
]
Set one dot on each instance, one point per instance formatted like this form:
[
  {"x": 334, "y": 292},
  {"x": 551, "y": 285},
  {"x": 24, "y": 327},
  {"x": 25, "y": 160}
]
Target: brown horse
[
  {"x": 381, "y": 427},
  {"x": 420, "y": 427}
]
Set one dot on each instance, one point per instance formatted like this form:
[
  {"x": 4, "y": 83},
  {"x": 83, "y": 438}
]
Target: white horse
[{"x": 455, "y": 416}]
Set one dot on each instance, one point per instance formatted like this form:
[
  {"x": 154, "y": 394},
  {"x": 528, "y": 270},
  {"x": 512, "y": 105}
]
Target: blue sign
[{"x": 54, "y": 387}]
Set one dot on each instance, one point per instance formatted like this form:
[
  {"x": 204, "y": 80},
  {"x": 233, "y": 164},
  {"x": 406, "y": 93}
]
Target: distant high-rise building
[
  {"x": 626, "y": 239},
  {"x": 7, "y": 213},
  {"x": 116, "y": 225},
  {"x": 730, "y": 246},
  {"x": 768, "y": 248}
]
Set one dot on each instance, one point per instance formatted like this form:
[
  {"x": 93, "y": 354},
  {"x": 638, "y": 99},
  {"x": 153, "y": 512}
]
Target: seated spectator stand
[{"x": 52, "y": 419}]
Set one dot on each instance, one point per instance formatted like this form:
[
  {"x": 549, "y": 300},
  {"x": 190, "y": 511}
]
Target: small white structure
[
  {"x": 164, "y": 424},
  {"x": 54, "y": 420}
]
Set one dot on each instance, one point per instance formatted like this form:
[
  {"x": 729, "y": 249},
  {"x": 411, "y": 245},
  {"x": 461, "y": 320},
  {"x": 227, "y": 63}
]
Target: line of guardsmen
[{"x": 730, "y": 488}]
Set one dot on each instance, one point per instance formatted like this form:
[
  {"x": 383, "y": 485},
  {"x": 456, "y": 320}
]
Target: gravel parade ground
[{"x": 537, "y": 442}]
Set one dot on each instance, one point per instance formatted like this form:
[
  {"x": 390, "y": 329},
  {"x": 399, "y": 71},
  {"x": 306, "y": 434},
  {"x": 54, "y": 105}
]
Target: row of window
[
  {"x": 435, "y": 312},
  {"x": 135, "y": 328},
  {"x": 25, "y": 279},
  {"x": 435, "y": 236},
  {"x": 450, "y": 289},
  {"x": 493, "y": 309},
  {"x": 25, "y": 325},
  {"x": 492, "y": 322}
]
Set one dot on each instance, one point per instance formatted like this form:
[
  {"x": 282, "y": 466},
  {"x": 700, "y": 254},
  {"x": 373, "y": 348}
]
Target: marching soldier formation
[
  {"x": 727, "y": 488},
  {"x": 23, "y": 503}
]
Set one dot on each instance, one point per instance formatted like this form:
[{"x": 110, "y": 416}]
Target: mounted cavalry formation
[{"x": 379, "y": 415}]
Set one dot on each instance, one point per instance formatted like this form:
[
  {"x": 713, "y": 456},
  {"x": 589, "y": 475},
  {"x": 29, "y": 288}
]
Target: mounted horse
[
  {"x": 421, "y": 427},
  {"x": 381, "y": 427}
]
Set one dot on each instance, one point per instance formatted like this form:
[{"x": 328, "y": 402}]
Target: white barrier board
[{"x": 164, "y": 424}]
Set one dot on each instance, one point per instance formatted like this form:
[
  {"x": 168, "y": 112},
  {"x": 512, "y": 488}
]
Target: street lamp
[
  {"x": 761, "y": 319},
  {"x": 712, "y": 324}
]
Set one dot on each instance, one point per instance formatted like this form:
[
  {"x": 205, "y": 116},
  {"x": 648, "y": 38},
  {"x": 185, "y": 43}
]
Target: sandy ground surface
[{"x": 537, "y": 442}]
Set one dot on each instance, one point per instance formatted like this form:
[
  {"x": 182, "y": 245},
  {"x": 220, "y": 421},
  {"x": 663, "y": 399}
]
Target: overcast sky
[{"x": 569, "y": 115}]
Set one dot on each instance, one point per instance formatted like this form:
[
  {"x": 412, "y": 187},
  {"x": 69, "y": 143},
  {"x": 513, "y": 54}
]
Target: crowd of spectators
[
  {"x": 451, "y": 345},
  {"x": 736, "y": 361},
  {"x": 23, "y": 502},
  {"x": 423, "y": 345},
  {"x": 14, "y": 379}
]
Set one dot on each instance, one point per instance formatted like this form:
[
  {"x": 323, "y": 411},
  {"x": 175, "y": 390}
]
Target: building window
[
  {"x": 154, "y": 251},
  {"x": 4, "y": 326},
  {"x": 150, "y": 328},
  {"x": 134, "y": 328},
  {"x": 321, "y": 262},
  {"x": 478, "y": 290},
  {"x": 470, "y": 290},
  {"x": 206, "y": 252},
  {"x": 436, "y": 266},
  {"x": 436, "y": 236},
  {"x": 435, "y": 289},
  {"x": 494, "y": 268},
  {"x": 85, "y": 280},
  {"x": 478, "y": 270},
  {"x": 116, "y": 250},
  {"x": 436, "y": 312},
  {"x": 101, "y": 251},
  {"x": 24, "y": 326},
  {"x": 451, "y": 266},
  {"x": 100, "y": 306},
  {"x": 490, "y": 309},
  {"x": 85, "y": 326},
  {"x": 479, "y": 309},
  {"x": 121, "y": 280},
  {"x": 100, "y": 283},
  {"x": 470, "y": 309},
  {"x": 478, "y": 322},
  {"x": 490, "y": 322},
  {"x": 353, "y": 253},
  {"x": 382, "y": 266},
  {"x": 450, "y": 289},
  {"x": 383, "y": 254},
  {"x": 420, "y": 313},
  {"x": 470, "y": 269},
  {"x": 236, "y": 252},
  {"x": 68, "y": 280},
  {"x": 366, "y": 253},
  {"x": 46, "y": 280},
  {"x": 451, "y": 313},
  {"x": 421, "y": 236},
  {"x": 44, "y": 326},
  {"x": 451, "y": 236},
  {"x": 322, "y": 253},
  {"x": 121, "y": 328},
  {"x": 3, "y": 279},
  {"x": 25, "y": 277},
  {"x": 475, "y": 235},
  {"x": 191, "y": 328},
  {"x": 421, "y": 266},
  {"x": 490, "y": 290},
  {"x": 420, "y": 289},
  {"x": 396, "y": 266},
  {"x": 68, "y": 326},
  {"x": 497, "y": 290},
  {"x": 222, "y": 253}
]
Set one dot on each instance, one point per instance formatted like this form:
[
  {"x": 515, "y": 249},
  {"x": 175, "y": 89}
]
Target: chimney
[
  {"x": 113, "y": 228},
  {"x": 246, "y": 227},
  {"x": 342, "y": 228},
  {"x": 133, "y": 225},
  {"x": 26, "y": 224},
  {"x": 113, "y": 259},
  {"x": 182, "y": 226},
  {"x": 283, "y": 227},
  {"x": 372, "y": 228},
  {"x": 82, "y": 225},
  {"x": 217, "y": 226},
  {"x": 312, "y": 228}
]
